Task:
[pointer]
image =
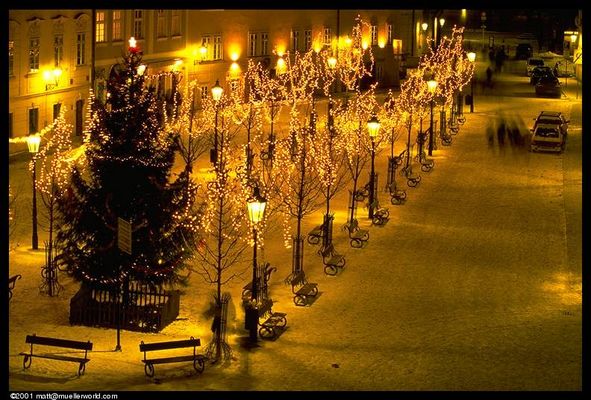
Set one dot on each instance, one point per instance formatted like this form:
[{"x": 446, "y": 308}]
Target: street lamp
[
  {"x": 373, "y": 126},
  {"x": 216, "y": 93},
  {"x": 33, "y": 142},
  {"x": 431, "y": 86},
  {"x": 472, "y": 58},
  {"x": 256, "y": 209}
]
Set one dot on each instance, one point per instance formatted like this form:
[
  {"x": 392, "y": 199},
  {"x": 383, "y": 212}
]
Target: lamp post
[
  {"x": 424, "y": 26},
  {"x": 472, "y": 58},
  {"x": 373, "y": 126},
  {"x": 256, "y": 209},
  {"x": 33, "y": 142},
  {"x": 432, "y": 86},
  {"x": 216, "y": 93}
]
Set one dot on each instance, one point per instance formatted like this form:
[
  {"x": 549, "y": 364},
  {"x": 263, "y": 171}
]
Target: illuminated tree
[
  {"x": 55, "y": 168},
  {"x": 127, "y": 175},
  {"x": 223, "y": 221}
]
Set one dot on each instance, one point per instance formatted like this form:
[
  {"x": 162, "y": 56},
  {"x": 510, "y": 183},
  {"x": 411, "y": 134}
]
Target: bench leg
[
  {"x": 299, "y": 300},
  {"x": 81, "y": 369},
  {"x": 199, "y": 364},
  {"x": 149, "y": 370},
  {"x": 266, "y": 332},
  {"x": 313, "y": 239},
  {"x": 356, "y": 243},
  {"x": 27, "y": 361},
  {"x": 330, "y": 269}
]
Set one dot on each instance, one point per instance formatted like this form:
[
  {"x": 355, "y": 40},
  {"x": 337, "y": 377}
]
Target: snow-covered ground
[{"x": 473, "y": 284}]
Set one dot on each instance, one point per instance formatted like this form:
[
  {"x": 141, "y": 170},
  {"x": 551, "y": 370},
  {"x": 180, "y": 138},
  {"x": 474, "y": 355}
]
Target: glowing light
[
  {"x": 573, "y": 38},
  {"x": 234, "y": 56},
  {"x": 463, "y": 13},
  {"x": 432, "y": 85},
  {"x": 364, "y": 44},
  {"x": 178, "y": 62},
  {"x": 381, "y": 43},
  {"x": 441, "y": 21},
  {"x": 33, "y": 142},
  {"x": 132, "y": 43},
  {"x": 141, "y": 69},
  {"x": 425, "y": 26},
  {"x": 373, "y": 127},
  {"x": 471, "y": 56},
  {"x": 256, "y": 207},
  {"x": 281, "y": 66},
  {"x": 203, "y": 51},
  {"x": 332, "y": 62},
  {"x": 216, "y": 91}
]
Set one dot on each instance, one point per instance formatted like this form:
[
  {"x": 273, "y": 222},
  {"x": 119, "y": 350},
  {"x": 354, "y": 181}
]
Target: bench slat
[
  {"x": 47, "y": 341},
  {"x": 170, "y": 345},
  {"x": 57, "y": 357},
  {"x": 171, "y": 359},
  {"x": 307, "y": 288}
]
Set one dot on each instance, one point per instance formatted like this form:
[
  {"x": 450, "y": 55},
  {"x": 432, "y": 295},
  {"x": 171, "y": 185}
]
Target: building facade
[
  {"x": 215, "y": 45},
  {"x": 49, "y": 69}
]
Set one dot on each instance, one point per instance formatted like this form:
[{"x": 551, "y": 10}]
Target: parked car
[
  {"x": 523, "y": 51},
  {"x": 552, "y": 118},
  {"x": 531, "y": 64},
  {"x": 549, "y": 132},
  {"x": 538, "y": 72},
  {"x": 548, "y": 85}
]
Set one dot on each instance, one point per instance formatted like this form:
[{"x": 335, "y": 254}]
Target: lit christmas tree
[{"x": 127, "y": 175}]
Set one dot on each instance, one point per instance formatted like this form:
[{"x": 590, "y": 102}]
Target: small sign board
[{"x": 124, "y": 235}]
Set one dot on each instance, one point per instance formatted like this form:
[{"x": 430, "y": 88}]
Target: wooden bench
[
  {"x": 357, "y": 235},
  {"x": 332, "y": 260},
  {"x": 274, "y": 320},
  {"x": 67, "y": 344},
  {"x": 397, "y": 196},
  {"x": 198, "y": 360},
  {"x": 11, "y": 283},
  {"x": 315, "y": 234},
  {"x": 362, "y": 193},
  {"x": 302, "y": 289}
]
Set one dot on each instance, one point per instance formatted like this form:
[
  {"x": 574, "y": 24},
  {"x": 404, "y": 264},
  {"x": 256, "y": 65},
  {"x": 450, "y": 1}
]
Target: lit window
[
  {"x": 374, "y": 35},
  {"x": 327, "y": 36},
  {"x": 252, "y": 44},
  {"x": 34, "y": 54},
  {"x": 138, "y": 24},
  {"x": 206, "y": 42},
  {"x": 217, "y": 47},
  {"x": 100, "y": 27},
  {"x": 117, "y": 25},
  {"x": 308, "y": 39},
  {"x": 10, "y": 57}
]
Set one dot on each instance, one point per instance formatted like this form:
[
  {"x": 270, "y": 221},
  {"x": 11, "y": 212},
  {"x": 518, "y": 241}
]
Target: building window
[
  {"x": 252, "y": 44},
  {"x": 58, "y": 49},
  {"x": 389, "y": 30},
  {"x": 176, "y": 23},
  {"x": 203, "y": 92},
  {"x": 295, "y": 40},
  {"x": 56, "y": 110},
  {"x": 217, "y": 47},
  {"x": 160, "y": 23},
  {"x": 327, "y": 36},
  {"x": 264, "y": 44},
  {"x": 374, "y": 35},
  {"x": 11, "y": 58},
  {"x": 117, "y": 25},
  {"x": 33, "y": 54},
  {"x": 308, "y": 39},
  {"x": 206, "y": 42},
  {"x": 100, "y": 26},
  {"x": 33, "y": 120},
  {"x": 81, "y": 49},
  {"x": 138, "y": 24}
]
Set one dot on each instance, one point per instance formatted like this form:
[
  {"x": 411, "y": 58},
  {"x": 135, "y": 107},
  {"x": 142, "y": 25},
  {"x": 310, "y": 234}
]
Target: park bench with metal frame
[
  {"x": 53, "y": 342},
  {"x": 302, "y": 289},
  {"x": 412, "y": 180},
  {"x": 11, "y": 284},
  {"x": 273, "y": 320},
  {"x": 397, "y": 196},
  {"x": 331, "y": 259},
  {"x": 380, "y": 215},
  {"x": 315, "y": 234},
  {"x": 247, "y": 289},
  {"x": 357, "y": 235},
  {"x": 362, "y": 193},
  {"x": 198, "y": 360},
  {"x": 427, "y": 164}
]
